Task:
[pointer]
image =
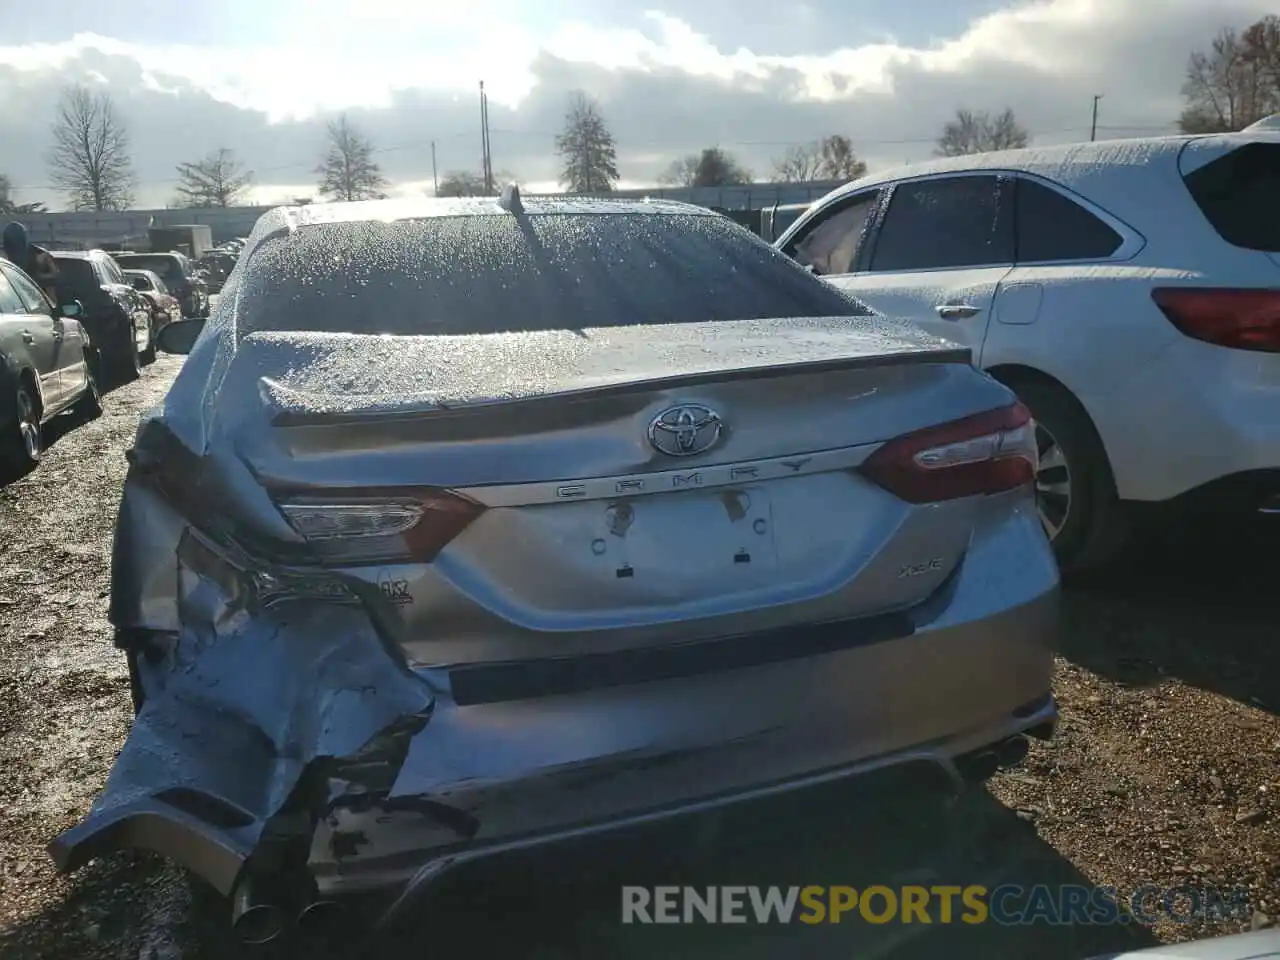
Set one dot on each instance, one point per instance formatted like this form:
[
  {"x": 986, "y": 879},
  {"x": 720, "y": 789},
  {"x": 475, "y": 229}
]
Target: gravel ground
[{"x": 1166, "y": 772}]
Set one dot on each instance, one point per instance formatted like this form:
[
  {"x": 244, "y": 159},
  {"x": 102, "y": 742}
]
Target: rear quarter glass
[{"x": 1239, "y": 194}]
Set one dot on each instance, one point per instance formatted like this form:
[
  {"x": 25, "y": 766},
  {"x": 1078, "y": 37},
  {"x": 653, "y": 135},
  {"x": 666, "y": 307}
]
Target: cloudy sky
[{"x": 753, "y": 76}]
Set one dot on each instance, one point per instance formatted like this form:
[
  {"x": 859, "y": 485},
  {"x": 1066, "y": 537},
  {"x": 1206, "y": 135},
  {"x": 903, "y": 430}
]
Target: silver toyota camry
[{"x": 472, "y": 525}]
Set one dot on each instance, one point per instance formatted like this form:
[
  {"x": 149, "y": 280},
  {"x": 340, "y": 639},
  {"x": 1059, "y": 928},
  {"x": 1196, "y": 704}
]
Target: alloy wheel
[
  {"x": 29, "y": 425},
  {"x": 1053, "y": 483}
]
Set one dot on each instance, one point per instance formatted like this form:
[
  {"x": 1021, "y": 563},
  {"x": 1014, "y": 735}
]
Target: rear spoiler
[{"x": 285, "y": 406}]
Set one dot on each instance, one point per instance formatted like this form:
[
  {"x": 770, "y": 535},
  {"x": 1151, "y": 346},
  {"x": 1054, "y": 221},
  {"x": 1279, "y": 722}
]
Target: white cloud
[{"x": 665, "y": 88}]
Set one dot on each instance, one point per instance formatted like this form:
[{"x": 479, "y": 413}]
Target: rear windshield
[
  {"x": 490, "y": 274},
  {"x": 1240, "y": 196},
  {"x": 76, "y": 278},
  {"x": 165, "y": 267}
]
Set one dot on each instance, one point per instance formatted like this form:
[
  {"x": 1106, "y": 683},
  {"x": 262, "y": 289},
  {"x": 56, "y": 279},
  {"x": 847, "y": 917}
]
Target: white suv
[{"x": 1128, "y": 291}]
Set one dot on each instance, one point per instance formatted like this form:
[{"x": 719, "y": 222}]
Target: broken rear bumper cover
[{"x": 299, "y": 722}]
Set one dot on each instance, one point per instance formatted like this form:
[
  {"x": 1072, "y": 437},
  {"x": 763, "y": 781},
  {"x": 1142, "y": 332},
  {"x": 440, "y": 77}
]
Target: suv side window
[
  {"x": 830, "y": 245},
  {"x": 956, "y": 221},
  {"x": 33, "y": 300},
  {"x": 9, "y": 302},
  {"x": 1052, "y": 226}
]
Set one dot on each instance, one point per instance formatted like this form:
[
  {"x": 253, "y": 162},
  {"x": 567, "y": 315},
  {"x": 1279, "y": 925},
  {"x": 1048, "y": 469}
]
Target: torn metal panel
[{"x": 216, "y": 752}]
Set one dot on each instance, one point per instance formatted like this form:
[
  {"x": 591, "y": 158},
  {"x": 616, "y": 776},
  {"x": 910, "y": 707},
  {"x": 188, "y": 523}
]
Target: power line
[{"x": 1135, "y": 129}]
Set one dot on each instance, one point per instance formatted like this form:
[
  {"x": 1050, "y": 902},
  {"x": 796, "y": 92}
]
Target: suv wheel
[{"x": 1075, "y": 492}]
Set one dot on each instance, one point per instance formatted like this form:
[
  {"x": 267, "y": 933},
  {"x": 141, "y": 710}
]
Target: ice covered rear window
[
  {"x": 1239, "y": 194},
  {"x": 490, "y": 274}
]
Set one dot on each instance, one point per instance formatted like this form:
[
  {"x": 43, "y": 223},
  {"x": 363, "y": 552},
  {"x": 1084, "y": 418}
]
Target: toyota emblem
[{"x": 685, "y": 430}]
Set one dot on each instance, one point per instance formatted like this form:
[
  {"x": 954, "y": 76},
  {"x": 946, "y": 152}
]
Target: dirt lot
[{"x": 1167, "y": 770}]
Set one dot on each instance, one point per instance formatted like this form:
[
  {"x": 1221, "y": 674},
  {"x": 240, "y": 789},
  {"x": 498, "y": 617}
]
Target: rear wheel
[
  {"x": 23, "y": 445},
  {"x": 1075, "y": 492},
  {"x": 128, "y": 364},
  {"x": 89, "y": 406},
  {"x": 148, "y": 356},
  {"x": 136, "y": 693}
]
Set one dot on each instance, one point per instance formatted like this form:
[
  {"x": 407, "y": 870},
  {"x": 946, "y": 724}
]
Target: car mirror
[
  {"x": 179, "y": 337},
  {"x": 73, "y": 309}
]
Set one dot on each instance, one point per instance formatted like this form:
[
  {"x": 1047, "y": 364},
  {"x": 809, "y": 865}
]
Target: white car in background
[{"x": 1128, "y": 291}]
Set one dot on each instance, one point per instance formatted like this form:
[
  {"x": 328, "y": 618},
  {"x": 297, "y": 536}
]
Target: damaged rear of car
[{"x": 472, "y": 526}]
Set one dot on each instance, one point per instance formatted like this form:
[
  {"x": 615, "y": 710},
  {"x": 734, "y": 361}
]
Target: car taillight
[
  {"x": 354, "y": 528},
  {"x": 985, "y": 453},
  {"x": 1237, "y": 318}
]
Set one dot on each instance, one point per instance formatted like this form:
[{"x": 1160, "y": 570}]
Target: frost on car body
[{"x": 408, "y": 576}]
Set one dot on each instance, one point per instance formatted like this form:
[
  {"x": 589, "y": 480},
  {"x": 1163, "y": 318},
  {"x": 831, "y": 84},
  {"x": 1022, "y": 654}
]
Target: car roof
[
  {"x": 1127, "y": 177},
  {"x": 420, "y": 208}
]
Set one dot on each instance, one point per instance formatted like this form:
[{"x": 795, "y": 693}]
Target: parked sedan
[
  {"x": 179, "y": 275},
  {"x": 470, "y": 525},
  {"x": 165, "y": 308},
  {"x": 45, "y": 368},
  {"x": 117, "y": 317}
]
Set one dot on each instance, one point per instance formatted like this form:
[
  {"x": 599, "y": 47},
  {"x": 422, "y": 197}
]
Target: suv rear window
[
  {"x": 76, "y": 278},
  {"x": 1239, "y": 194},
  {"x": 168, "y": 268},
  {"x": 491, "y": 274}
]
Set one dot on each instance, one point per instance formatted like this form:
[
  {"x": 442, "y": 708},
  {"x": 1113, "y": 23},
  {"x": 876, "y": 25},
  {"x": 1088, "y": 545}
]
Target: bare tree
[
  {"x": 719, "y": 168},
  {"x": 348, "y": 170},
  {"x": 587, "y": 149},
  {"x": 831, "y": 158},
  {"x": 461, "y": 183},
  {"x": 466, "y": 183},
  {"x": 713, "y": 167},
  {"x": 1236, "y": 82},
  {"x": 981, "y": 132},
  {"x": 839, "y": 161},
  {"x": 89, "y": 160},
  {"x": 799, "y": 164},
  {"x": 681, "y": 172},
  {"x": 217, "y": 180}
]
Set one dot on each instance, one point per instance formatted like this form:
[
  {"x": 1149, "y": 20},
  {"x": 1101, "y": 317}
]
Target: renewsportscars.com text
[{"x": 1009, "y": 904}]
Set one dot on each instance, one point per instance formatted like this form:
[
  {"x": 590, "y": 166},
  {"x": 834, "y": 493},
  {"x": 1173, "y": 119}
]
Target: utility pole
[
  {"x": 1093, "y": 128},
  {"x": 435, "y": 179},
  {"x": 486, "y": 159}
]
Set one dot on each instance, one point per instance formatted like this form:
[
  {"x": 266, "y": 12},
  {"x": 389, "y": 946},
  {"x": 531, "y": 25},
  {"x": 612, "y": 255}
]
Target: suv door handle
[
  {"x": 27, "y": 337},
  {"x": 957, "y": 311}
]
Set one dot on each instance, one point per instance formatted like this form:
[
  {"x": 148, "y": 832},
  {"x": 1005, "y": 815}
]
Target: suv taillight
[
  {"x": 371, "y": 526},
  {"x": 1244, "y": 319},
  {"x": 986, "y": 453}
]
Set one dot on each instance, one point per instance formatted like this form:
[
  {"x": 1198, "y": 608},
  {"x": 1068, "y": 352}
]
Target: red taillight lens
[
  {"x": 367, "y": 527},
  {"x": 1241, "y": 319},
  {"x": 986, "y": 453}
]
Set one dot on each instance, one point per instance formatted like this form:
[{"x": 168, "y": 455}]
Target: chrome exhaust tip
[
  {"x": 1011, "y": 752},
  {"x": 255, "y": 922},
  {"x": 321, "y": 918}
]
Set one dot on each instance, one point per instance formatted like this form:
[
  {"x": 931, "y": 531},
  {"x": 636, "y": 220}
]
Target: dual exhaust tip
[
  {"x": 981, "y": 765},
  {"x": 258, "y": 921}
]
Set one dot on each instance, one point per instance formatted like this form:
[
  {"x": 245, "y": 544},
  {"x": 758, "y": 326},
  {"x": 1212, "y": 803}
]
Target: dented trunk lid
[{"x": 597, "y": 537}]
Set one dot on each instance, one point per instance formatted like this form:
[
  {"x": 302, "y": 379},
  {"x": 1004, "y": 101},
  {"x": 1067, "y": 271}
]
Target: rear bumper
[
  {"x": 482, "y": 780},
  {"x": 404, "y": 783},
  {"x": 1195, "y": 419}
]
